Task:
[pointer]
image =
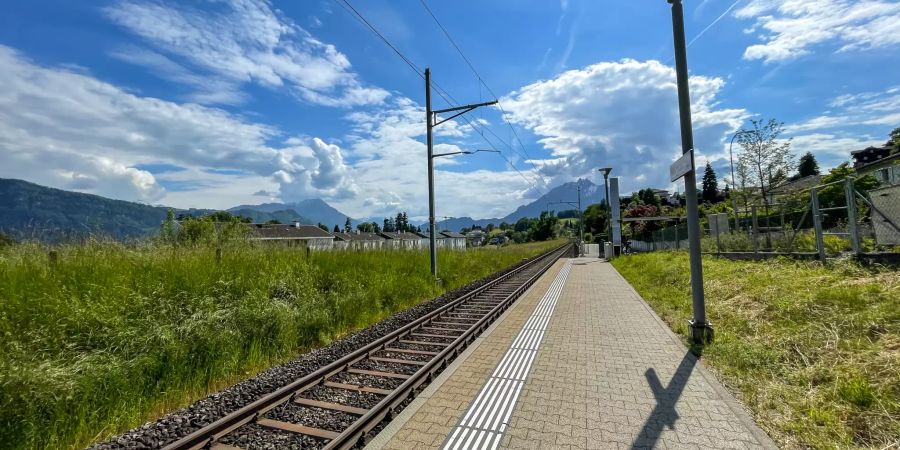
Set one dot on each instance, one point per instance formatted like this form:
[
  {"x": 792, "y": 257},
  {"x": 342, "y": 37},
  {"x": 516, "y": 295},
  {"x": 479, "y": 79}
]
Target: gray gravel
[{"x": 179, "y": 423}]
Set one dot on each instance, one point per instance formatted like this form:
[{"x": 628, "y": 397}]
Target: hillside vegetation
[
  {"x": 813, "y": 351},
  {"x": 109, "y": 335}
]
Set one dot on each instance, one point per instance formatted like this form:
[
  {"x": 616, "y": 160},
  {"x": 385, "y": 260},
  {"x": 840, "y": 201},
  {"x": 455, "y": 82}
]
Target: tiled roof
[
  {"x": 267, "y": 231},
  {"x": 401, "y": 236},
  {"x": 360, "y": 236},
  {"x": 796, "y": 185},
  {"x": 452, "y": 234}
]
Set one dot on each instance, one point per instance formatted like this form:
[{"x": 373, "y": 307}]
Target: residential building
[
  {"x": 788, "y": 187},
  {"x": 403, "y": 240},
  {"x": 883, "y": 163},
  {"x": 475, "y": 238},
  {"x": 309, "y": 236},
  {"x": 455, "y": 240},
  {"x": 358, "y": 240}
]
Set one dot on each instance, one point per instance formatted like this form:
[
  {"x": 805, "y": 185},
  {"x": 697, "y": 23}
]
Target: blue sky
[{"x": 218, "y": 103}]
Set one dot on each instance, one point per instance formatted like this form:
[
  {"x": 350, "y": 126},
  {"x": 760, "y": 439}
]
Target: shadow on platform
[{"x": 664, "y": 414}]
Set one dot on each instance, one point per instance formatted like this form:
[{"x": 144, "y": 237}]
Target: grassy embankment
[
  {"x": 110, "y": 336},
  {"x": 814, "y": 352}
]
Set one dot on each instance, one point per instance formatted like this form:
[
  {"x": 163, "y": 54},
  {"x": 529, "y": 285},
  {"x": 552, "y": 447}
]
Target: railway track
[{"x": 338, "y": 405}]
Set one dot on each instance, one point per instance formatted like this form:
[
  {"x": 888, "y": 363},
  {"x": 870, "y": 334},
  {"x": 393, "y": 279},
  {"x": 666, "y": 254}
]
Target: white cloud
[
  {"x": 242, "y": 41},
  {"x": 878, "y": 109},
  {"x": 390, "y": 168},
  {"x": 69, "y": 130},
  {"x": 792, "y": 28},
  {"x": 621, "y": 114}
]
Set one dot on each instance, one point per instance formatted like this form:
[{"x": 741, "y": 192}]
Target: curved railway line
[{"x": 340, "y": 404}]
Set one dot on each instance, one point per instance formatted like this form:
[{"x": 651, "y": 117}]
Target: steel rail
[
  {"x": 357, "y": 431},
  {"x": 208, "y": 435}
]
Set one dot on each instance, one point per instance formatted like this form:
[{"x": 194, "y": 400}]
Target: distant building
[
  {"x": 475, "y": 238},
  {"x": 309, "y": 236},
  {"x": 455, "y": 240},
  {"x": 788, "y": 187},
  {"x": 403, "y": 240},
  {"x": 358, "y": 240},
  {"x": 878, "y": 162}
]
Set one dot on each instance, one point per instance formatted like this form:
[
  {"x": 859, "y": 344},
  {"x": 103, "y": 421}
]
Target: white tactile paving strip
[{"x": 483, "y": 424}]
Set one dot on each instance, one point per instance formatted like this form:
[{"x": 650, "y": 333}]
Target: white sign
[{"x": 682, "y": 166}]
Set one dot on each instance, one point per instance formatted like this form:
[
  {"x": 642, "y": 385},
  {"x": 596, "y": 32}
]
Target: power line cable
[
  {"x": 481, "y": 82},
  {"x": 345, "y": 4}
]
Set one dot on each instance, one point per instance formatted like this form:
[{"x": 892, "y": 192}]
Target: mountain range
[
  {"x": 28, "y": 210},
  {"x": 561, "y": 198}
]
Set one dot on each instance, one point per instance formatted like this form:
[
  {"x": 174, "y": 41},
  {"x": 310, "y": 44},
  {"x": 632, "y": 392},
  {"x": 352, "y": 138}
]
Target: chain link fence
[{"x": 825, "y": 221}]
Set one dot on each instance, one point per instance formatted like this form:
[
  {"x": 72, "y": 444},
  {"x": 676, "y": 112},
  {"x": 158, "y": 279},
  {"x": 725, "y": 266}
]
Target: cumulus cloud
[
  {"x": 622, "y": 114},
  {"x": 69, "y": 130},
  {"x": 793, "y": 28},
  {"x": 390, "y": 168},
  {"x": 237, "y": 42}
]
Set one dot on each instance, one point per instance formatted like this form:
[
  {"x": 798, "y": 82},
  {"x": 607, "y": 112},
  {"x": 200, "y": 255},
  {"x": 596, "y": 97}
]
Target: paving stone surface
[{"x": 609, "y": 374}]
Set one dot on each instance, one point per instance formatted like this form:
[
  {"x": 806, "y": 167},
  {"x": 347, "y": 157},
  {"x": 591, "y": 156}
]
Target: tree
[
  {"x": 273, "y": 222},
  {"x": 895, "y": 137},
  {"x": 595, "y": 219},
  {"x": 544, "y": 228},
  {"x": 336, "y": 229},
  {"x": 366, "y": 227},
  {"x": 376, "y": 228},
  {"x": 833, "y": 196},
  {"x": 348, "y": 227},
  {"x": 710, "y": 185},
  {"x": 167, "y": 229},
  {"x": 807, "y": 166},
  {"x": 764, "y": 156}
]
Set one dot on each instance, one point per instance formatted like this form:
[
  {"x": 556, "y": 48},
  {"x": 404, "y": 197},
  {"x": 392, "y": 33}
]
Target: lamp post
[
  {"x": 605, "y": 171},
  {"x": 733, "y": 184},
  {"x": 701, "y": 329},
  {"x": 432, "y": 121}
]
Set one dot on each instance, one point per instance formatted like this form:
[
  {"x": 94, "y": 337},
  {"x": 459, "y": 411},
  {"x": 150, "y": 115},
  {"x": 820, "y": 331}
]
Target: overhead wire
[
  {"x": 443, "y": 93},
  {"x": 481, "y": 82}
]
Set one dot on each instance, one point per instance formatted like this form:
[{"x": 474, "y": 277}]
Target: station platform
[{"x": 579, "y": 362}]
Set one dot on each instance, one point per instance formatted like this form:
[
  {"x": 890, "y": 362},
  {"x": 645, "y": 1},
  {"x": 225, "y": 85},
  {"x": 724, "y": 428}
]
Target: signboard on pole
[{"x": 682, "y": 166}]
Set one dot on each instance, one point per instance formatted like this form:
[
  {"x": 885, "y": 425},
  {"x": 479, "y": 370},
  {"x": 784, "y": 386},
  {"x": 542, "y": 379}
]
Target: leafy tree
[
  {"x": 648, "y": 197},
  {"x": 489, "y": 227},
  {"x": 807, "y": 165},
  {"x": 275, "y": 222},
  {"x": 641, "y": 228},
  {"x": 544, "y": 228},
  {"x": 895, "y": 138},
  {"x": 764, "y": 155},
  {"x": 366, "y": 227},
  {"x": 505, "y": 226},
  {"x": 375, "y": 228},
  {"x": 710, "y": 190},
  {"x": 167, "y": 230},
  {"x": 595, "y": 219},
  {"x": 336, "y": 228},
  {"x": 348, "y": 227},
  {"x": 524, "y": 224},
  {"x": 833, "y": 196}
]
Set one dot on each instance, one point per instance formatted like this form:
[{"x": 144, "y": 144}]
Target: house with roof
[
  {"x": 788, "y": 187},
  {"x": 309, "y": 236},
  {"x": 403, "y": 240},
  {"x": 358, "y": 240},
  {"x": 883, "y": 163},
  {"x": 445, "y": 239},
  {"x": 455, "y": 241}
]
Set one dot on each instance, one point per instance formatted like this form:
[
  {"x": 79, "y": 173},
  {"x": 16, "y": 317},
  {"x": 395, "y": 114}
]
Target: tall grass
[
  {"x": 110, "y": 335},
  {"x": 813, "y": 351}
]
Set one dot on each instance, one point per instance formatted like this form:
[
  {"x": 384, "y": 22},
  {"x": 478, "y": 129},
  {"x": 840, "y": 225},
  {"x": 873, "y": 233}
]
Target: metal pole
[
  {"x": 817, "y": 223},
  {"x": 701, "y": 330},
  {"x": 429, "y": 120},
  {"x": 852, "y": 226},
  {"x": 733, "y": 184},
  {"x": 608, "y": 210},
  {"x": 580, "y": 223},
  {"x": 754, "y": 231}
]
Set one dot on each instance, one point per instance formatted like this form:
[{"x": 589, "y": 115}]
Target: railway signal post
[{"x": 701, "y": 329}]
